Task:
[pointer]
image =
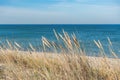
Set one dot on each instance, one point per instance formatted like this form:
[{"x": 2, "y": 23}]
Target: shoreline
[{"x": 93, "y": 60}]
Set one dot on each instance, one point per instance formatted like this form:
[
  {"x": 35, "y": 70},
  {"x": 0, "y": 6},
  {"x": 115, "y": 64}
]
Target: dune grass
[{"x": 67, "y": 61}]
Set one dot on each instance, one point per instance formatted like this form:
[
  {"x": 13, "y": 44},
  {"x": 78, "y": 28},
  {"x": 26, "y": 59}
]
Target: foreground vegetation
[{"x": 67, "y": 62}]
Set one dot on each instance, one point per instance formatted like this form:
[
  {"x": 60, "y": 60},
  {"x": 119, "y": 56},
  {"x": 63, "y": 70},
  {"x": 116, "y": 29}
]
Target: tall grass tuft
[{"x": 70, "y": 63}]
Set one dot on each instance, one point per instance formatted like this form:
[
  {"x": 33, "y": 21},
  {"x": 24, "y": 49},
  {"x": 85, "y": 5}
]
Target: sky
[{"x": 59, "y": 11}]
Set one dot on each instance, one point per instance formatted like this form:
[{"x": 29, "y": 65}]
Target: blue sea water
[{"x": 25, "y": 34}]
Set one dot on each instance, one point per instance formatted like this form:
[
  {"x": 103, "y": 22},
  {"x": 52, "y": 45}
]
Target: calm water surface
[{"x": 25, "y": 34}]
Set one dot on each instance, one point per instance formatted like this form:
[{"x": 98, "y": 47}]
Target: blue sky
[{"x": 59, "y": 11}]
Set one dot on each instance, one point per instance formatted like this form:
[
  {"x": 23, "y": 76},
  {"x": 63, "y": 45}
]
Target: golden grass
[
  {"x": 70, "y": 63},
  {"x": 39, "y": 66}
]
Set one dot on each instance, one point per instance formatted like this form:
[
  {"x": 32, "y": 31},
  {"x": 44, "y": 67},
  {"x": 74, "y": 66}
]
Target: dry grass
[
  {"x": 25, "y": 66},
  {"x": 70, "y": 64}
]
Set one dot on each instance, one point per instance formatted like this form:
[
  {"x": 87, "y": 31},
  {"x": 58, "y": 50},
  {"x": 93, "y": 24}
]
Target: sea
[{"x": 25, "y": 34}]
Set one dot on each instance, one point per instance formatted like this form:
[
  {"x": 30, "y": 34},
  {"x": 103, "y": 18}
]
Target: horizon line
[{"x": 59, "y": 24}]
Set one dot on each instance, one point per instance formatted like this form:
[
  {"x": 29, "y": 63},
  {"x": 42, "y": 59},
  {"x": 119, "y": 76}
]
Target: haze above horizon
[{"x": 59, "y": 12}]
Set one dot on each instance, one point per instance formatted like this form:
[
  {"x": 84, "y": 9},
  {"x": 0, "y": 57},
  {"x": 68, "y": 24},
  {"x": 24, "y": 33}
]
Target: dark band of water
[{"x": 25, "y": 34}]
